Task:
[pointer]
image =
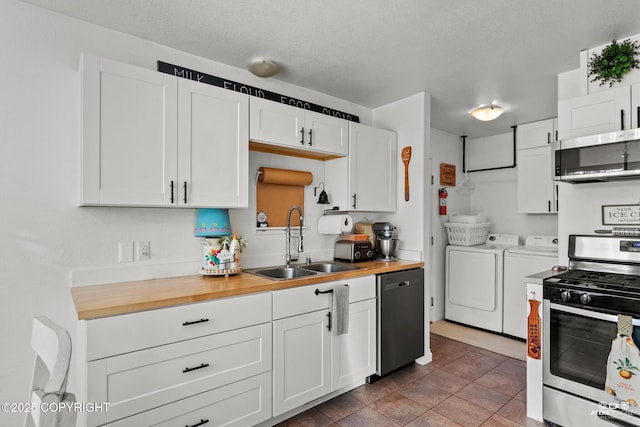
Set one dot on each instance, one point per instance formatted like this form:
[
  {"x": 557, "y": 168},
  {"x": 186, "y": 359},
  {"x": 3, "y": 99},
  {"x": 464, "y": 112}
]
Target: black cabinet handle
[
  {"x": 549, "y": 208},
  {"x": 329, "y": 321},
  {"x": 354, "y": 201},
  {"x": 194, "y": 322},
  {"x": 202, "y": 422},
  {"x": 195, "y": 368},
  {"x": 556, "y": 135},
  {"x": 638, "y": 117},
  {"x": 548, "y": 137},
  {"x": 185, "y": 192},
  {"x": 557, "y": 198},
  {"x": 310, "y": 136},
  {"x": 621, "y": 119},
  {"x": 302, "y": 136},
  {"x": 171, "y": 192}
]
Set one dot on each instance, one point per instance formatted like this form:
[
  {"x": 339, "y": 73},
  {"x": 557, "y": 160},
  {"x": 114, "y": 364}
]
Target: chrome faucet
[{"x": 300, "y": 248}]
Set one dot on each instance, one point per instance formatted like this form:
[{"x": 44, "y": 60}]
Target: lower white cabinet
[
  {"x": 221, "y": 349},
  {"x": 309, "y": 360},
  {"x": 228, "y": 362},
  {"x": 243, "y": 403},
  {"x": 302, "y": 356}
]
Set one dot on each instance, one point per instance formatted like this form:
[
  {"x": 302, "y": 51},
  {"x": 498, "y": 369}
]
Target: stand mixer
[{"x": 386, "y": 243}]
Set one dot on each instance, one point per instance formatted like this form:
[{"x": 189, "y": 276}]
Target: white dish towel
[{"x": 340, "y": 309}]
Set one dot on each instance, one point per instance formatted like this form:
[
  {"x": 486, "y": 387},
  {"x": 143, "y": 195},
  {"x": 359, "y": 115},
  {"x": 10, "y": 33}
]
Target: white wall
[
  {"x": 581, "y": 208},
  {"x": 44, "y": 236},
  {"x": 445, "y": 148},
  {"x": 407, "y": 118}
]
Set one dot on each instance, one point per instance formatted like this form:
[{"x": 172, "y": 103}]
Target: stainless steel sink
[
  {"x": 287, "y": 273},
  {"x": 282, "y": 273},
  {"x": 329, "y": 267}
]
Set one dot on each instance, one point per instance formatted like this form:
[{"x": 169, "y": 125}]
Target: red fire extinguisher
[{"x": 443, "y": 201}]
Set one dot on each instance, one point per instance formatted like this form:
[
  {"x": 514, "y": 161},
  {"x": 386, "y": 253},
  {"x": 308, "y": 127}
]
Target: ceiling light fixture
[
  {"x": 487, "y": 112},
  {"x": 262, "y": 67}
]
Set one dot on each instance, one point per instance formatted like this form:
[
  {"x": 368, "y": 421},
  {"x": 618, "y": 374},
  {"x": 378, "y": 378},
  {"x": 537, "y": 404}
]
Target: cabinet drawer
[
  {"x": 145, "y": 379},
  {"x": 244, "y": 403},
  {"x": 294, "y": 301},
  {"x": 131, "y": 332}
]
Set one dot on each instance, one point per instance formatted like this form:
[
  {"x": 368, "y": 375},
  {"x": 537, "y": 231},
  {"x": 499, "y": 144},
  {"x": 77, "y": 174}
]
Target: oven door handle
[
  {"x": 617, "y": 421},
  {"x": 589, "y": 313}
]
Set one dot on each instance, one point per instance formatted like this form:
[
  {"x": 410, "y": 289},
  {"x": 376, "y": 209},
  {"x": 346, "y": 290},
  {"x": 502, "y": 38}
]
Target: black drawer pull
[
  {"x": 202, "y": 365},
  {"x": 302, "y": 136},
  {"x": 171, "y": 192},
  {"x": 202, "y": 422},
  {"x": 310, "y": 137},
  {"x": 329, "y": 321},
  {"x": 194, "y": 322}
]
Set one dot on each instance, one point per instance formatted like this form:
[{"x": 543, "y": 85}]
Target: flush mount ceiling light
[
  {"x": 487, "y": 112},
  {"x": 262, "y": 67}
]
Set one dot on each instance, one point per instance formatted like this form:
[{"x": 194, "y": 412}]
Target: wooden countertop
[{"x": 128, "y": 297}]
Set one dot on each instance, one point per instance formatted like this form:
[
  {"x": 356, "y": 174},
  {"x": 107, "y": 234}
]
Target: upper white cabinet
[
  {"x": 317, "y": 135},
  {"x": 370, "y": 171},
  {"x": 151, "y": 139},
  {"x": 601, "y": 112},
  {"x": 536, "y": 188},
  {"x": 536, "y": 134},
  {"x": 213, "y": 145}
]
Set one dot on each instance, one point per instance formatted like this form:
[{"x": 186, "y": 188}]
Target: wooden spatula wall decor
[{"x": 406, "y": 156}]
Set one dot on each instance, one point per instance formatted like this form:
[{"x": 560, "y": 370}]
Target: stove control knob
[
  {"x": 369, "y": 253},
  {"x": 565, "y": 296},
  {"x": 585, "y": 299}
]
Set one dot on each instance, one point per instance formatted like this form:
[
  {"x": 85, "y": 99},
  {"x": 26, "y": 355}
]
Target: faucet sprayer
[{"x": 300, "y": 246}]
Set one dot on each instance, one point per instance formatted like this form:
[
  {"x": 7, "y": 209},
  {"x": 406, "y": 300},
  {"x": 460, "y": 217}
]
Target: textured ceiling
[{"x": 372, "y": 52}]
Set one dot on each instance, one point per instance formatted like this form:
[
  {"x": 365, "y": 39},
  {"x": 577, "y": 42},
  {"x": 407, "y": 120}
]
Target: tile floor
[{"x": 463, "y": 386}]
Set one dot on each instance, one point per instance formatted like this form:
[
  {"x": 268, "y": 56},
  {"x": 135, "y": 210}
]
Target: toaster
[{"x": 353, "y": 251}]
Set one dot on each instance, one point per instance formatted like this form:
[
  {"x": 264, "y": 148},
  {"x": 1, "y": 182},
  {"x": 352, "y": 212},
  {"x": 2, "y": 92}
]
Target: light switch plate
[{"x": 125, "y": 252}]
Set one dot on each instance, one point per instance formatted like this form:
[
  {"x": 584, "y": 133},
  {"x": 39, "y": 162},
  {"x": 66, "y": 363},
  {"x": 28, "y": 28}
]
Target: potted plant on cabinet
[{"x": 614, "y": 62}]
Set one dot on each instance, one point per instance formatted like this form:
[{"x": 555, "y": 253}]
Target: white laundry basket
[{"x": 466, "y": 234}]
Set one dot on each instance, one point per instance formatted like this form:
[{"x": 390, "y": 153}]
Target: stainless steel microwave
[{"x": 604, "y": 157}]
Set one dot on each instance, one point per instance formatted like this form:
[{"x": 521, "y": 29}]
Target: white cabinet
[
  {"x": 353, "y": 355},
  {"x": 309, "y": 361},
  {"x": 151, "y": 139},
  {"x": 181, "y": 352},
  {"x": 276, "y": 124},
  {"x": 129, "y": 134},
  {"x": 302, "y": 357},
  {"x": 537, "y": 191},
  {"x": 600, "y": 112},
  {"x": 537, "y": 134},
  {"x": 213, "y": 146},
  {"x": 370, "y": 172}
]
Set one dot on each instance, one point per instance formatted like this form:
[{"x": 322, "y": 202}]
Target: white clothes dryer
[
  {"x": 539, "y": 253},
  {"x": 474, "y": 282}
]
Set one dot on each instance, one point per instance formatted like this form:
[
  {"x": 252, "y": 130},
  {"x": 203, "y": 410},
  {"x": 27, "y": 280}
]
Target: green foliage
[{"x": 614, "y": 62}]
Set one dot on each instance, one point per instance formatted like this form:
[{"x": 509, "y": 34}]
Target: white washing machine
[
  {"x": 473, "y": 282},
  {"x": 539, "y": 253}
]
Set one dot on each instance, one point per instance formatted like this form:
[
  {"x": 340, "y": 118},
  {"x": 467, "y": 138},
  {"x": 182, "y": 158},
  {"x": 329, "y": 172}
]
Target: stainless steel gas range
[{"x": 581, "y": 308}]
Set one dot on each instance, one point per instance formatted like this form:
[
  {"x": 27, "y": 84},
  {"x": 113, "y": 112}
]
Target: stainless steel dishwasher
[{"x": 400, "y": 299}]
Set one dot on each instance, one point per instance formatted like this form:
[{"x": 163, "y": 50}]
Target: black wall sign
[{"x": 186, "y": 73}]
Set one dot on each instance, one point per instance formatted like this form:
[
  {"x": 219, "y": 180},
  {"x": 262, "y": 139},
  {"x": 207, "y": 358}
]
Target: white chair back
[{"x": 52, "y": 344}]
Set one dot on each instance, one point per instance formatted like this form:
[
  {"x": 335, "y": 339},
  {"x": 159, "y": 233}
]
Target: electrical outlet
[
  {"x": 125, "y": 252},
  {"x": 143, "y": 250}
]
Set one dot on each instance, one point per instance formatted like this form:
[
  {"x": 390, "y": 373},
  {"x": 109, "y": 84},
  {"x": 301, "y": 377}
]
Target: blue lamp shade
[{"x": 212, "y": 223}]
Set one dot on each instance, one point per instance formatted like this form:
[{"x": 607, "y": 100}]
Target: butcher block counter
[{"x": 97, "y": 301}]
